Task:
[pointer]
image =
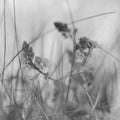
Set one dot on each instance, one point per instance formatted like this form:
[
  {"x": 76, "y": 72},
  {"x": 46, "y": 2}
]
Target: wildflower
[
  {"x": 85, "y": 46},
  {"x": 61, "y": 27},
  {"x": 40, "y": 62},
  {"x": 27, "y": 54},
  {"x": 37, "y": 60}
]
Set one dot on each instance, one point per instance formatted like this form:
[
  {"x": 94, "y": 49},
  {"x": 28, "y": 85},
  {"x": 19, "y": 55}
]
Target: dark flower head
[
  {"x": 38, "y": 61},
  {"x": 84, "y": 42},
  {"x": 61, "y": 27},
  {"x": 27, "y": 53},
  {"x": 85, "y": 46},
  {"x": 25, "y": 46}
]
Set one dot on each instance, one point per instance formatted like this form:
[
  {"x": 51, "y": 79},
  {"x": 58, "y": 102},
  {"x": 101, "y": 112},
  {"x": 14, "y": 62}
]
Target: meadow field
[{"x": 59, "y": 60}]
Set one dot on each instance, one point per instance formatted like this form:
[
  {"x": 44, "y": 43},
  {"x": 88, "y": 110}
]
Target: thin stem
[
  {"x": 91, "y": 17},
  {"x": 74, "y": 43},
  {"x": 15, "y": 30},
  {"x": 4, "y": 39},
  {"x": 4, "y": 61},
  {"x": 106, "y": 51}
]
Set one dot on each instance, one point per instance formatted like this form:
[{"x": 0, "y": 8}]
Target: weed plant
[{"x": 29, "y": 95}]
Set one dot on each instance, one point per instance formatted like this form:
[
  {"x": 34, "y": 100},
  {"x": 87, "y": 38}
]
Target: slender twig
[
  {"x": 96, "y": 101},
  {"x": 16, "y": 36},
  {"x": 85, "y": 19},
  {"x": 106, "y": 51},
  {"x": 4, "y": 61},
  {"x": 91, "y": 17},
  {"x": 74, "y": 43},
  {"x": 4, "y": 39},
  {"x": 87, "y": 93}
]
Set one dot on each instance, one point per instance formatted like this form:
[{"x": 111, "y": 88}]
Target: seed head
[
  {"x": 27, "y": 53},
  {"x": 61, "y": 27}
]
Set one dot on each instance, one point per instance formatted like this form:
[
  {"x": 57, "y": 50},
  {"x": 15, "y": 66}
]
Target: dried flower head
[
  {"x": 85, "y": 46},
  {"x": 62, "y": 28},
  {"x": 27, "y": 53},
  {"x": 41, "y": 63}
]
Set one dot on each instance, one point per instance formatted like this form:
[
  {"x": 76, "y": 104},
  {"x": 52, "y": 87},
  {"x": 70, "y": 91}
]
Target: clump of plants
[
  {"x": 30, "y": 93},
  {"x": 71, "y": 101},
  {"x": 79, "y": 77}
]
